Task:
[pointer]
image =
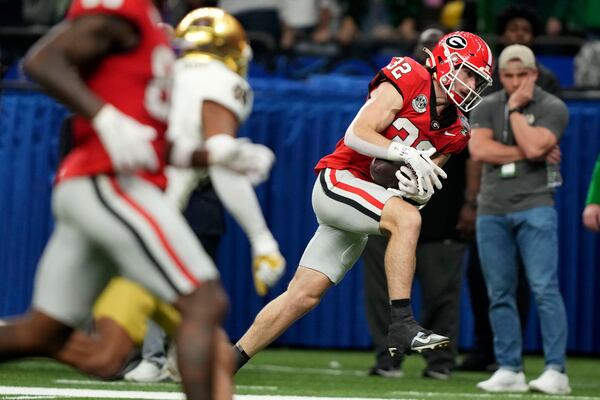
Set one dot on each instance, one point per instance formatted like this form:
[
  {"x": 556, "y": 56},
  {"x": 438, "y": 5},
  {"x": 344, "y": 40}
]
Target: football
[{"x": 383, "y": 172}]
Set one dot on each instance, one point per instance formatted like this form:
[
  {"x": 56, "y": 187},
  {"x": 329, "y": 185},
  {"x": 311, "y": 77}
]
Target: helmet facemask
[{"x": 453, "y": 85}]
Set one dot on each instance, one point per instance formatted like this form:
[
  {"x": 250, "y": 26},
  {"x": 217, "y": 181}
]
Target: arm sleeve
[
  {"x": 182, "y": 183},
  {"x": 593, "y": 196},
  {"x": 238, "y": 197},
  {"x": 352, "y": 140}
]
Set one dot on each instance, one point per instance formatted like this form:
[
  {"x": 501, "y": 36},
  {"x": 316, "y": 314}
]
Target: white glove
[
  {"x": 408, "y": 187},
  {"x": 426, "y": 171},
  {"x": 253, "y": 160},
  {"x": 222, "y": 148},
  {"x": 267, "y": 270},
  {"x": 241, "y": 155},
  {"x": 268, "y": 265},
  {"x": 127, "y": 142}
]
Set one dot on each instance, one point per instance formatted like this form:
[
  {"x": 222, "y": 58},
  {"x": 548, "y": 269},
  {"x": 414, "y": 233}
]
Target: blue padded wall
[
  {"x": 29, "y": 123},
  {"x": 300, "y": 121}
]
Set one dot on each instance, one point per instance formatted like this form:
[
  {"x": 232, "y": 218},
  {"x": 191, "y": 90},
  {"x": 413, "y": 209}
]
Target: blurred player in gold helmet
[
  {"x": 213, "y": 34},
  {"x": 210, "y": 99}
]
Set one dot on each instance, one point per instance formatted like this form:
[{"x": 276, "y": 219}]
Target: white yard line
[
  {"x": 528, "y": 395},
  {"x": 89, "y": 393},
  {"x": 257, "y": 387},
  {"x": 305, "y": 370},
  {"x": 45, "y": 393},
  {"x": 88, "y": 382},
  {"x": 22, "y": 393}
]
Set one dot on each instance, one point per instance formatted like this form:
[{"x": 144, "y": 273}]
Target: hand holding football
[{"x": 383, "y": 172}]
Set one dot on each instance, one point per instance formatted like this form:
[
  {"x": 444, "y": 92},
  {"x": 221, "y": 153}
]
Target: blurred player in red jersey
[
  {"x": 110, "y": 63},
  {"x": 210, "y": 94},
  {"x": 412, "y": 112}
]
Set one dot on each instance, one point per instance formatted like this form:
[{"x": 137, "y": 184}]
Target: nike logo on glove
[{"x": 449, "y": 134}]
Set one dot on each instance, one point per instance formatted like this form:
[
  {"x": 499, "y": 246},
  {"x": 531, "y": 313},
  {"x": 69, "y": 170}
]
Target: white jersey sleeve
[{"x": 194, "y": 82}]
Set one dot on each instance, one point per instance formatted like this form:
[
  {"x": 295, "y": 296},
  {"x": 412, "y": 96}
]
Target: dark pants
[{"x": 439, "y": 270}]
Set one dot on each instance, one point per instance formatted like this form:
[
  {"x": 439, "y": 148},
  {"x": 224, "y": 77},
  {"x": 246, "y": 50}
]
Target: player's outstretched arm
[
  {"x": 237, "y": 194},
  {"x": 57, "y": 63},
  {"x": 57, "y": 59}
]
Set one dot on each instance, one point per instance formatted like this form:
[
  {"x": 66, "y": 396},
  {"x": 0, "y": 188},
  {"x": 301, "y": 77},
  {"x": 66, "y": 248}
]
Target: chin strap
[{"x": 430, "y": 63}]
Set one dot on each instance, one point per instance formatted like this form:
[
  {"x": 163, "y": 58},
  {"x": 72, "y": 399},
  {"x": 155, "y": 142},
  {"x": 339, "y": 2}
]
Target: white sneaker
[
  {"x": 505, "y": 380},
  {"x": 146, "y": 371},
  {"x": 171, "y": 365},
  {"x": 551, "y": 382}
]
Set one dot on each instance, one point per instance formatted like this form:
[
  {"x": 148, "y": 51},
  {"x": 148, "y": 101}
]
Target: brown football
[{"x": 383, "y": 172}]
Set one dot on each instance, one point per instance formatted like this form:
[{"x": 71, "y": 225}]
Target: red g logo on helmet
[
  {"x": 456, "y": 42},
  {"x": 457, "y": 51}
]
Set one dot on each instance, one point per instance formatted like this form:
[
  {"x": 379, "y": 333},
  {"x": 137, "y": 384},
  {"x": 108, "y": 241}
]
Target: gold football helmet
[{"x": 213, "y": 34}]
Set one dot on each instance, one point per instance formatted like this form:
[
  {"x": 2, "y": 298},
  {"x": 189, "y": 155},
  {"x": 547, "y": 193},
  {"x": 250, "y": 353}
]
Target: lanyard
[{"x": 506, "y": 122}]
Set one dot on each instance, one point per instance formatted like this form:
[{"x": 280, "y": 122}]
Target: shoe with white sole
[
  {"x": 171, "y": 365},
  {"x": 386, "y": 372},
  {"x": 408, "y": 337},
  {"x": 505, "y": 380},
  {"x": 146, "y": 371},
  {"x": 551, "y": 382}
]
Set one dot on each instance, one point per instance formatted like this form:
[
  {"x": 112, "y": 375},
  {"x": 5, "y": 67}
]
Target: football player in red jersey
[
  {"x": 122, "y": 311},
  {"x": 412, "y": 112},
  {"x": 110, "y": 63}
]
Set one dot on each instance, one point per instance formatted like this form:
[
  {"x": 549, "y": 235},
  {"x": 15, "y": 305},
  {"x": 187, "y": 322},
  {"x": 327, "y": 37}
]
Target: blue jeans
[{"x": 533, "y": 233}]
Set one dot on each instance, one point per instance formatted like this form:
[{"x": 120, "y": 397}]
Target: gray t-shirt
[{"x": 529, "y": 187}]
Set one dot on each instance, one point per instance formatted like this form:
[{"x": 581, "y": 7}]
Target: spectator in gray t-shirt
[{"x": 513, "y": 132}]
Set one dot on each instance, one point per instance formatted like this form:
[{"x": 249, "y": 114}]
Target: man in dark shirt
[{"x": 520, "y": 25}]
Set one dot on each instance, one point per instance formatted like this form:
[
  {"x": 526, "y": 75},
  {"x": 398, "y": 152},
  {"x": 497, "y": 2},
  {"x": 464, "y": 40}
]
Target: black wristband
[{"x": 516, "y": 109}]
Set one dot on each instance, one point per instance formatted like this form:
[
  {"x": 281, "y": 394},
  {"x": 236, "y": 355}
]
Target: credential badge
[
  {"x": 419, "y": 103},
  {"x": 530, "y": 118}
]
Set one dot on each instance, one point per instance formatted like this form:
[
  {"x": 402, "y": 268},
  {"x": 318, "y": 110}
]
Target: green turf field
[{"x": 276, "y": 373}]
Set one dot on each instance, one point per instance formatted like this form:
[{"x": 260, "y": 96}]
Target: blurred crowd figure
[
  {"x": 344, "y": 21},
  {"x": 329, "y": 27}
]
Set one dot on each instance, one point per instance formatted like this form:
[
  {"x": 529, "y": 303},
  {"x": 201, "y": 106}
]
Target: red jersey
[
  {"x": 417, "y": 124},
  {"x": 135, "y": 82}
]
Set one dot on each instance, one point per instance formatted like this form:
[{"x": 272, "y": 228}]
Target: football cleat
[{"x": 404, "y": 338}]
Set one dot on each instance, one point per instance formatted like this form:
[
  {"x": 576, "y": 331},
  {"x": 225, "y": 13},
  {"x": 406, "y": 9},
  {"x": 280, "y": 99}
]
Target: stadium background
[{"x": 301, "y": 120}]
